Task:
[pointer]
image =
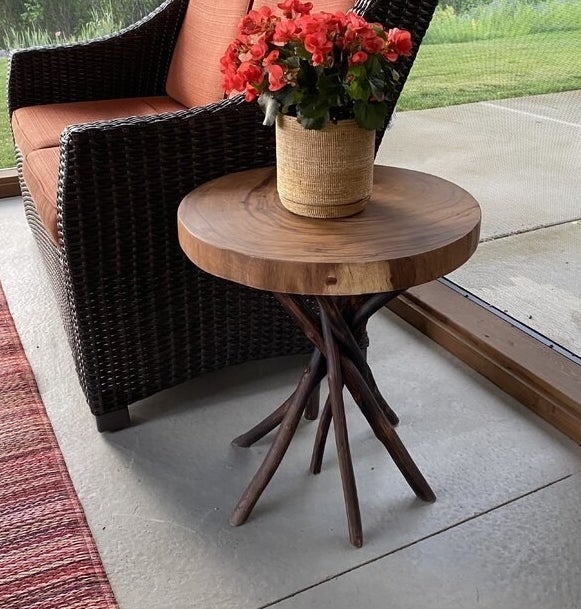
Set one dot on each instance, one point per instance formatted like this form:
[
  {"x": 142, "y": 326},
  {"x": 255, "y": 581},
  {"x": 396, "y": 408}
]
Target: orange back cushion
[
  {"x": 328, "y": 6},
  {"x": 194, "y": 77}
]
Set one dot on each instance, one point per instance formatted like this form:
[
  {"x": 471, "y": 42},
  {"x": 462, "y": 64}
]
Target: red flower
[
  {"x": 276, "y": 79},
  {"x": 358, "y": 58},
  {"x": 271, "y": 57},
  {"x": 251, "y": 73},
  {"x": 355, "y": 23},
  {"x": 256, "y": 21},
  {"x": 283, "y": 32},
  {"x": 250, "y": 94},
  {"x": 288, "y": 7},
  {"x": 259, "y": 49},
  {"x": 317, "y": 42},
  {"x": 230, "y": 57},
  {"x": 399, "y": 43},
  {"x": 232, "y": 81},
  {"x": 371, "y": 42}
]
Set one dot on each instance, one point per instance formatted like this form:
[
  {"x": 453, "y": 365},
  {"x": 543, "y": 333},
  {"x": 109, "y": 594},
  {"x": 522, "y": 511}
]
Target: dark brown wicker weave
[{"x": 141, "y": 318}]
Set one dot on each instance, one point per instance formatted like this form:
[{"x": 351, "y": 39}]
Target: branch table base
[
  {"x": 415, "y": 228},
  {"x": 338, "y": 356}
]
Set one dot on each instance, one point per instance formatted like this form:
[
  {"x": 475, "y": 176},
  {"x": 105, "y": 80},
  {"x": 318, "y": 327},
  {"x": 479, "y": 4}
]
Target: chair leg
[{"x": 113, "y": 421}]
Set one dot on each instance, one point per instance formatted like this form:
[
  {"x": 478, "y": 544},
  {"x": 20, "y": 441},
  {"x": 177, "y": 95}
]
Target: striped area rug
[{"x": 48, "y": 558}]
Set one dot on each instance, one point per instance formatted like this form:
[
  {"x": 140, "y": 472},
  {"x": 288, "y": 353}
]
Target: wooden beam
[
  {"x": 546, "y": 381},
  {"x": 9, "y": 186}
]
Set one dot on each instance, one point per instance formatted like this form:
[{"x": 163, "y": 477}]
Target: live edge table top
[{"x": 415, "y": 228}]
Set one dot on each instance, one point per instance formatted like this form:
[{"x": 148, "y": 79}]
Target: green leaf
[
  {"x": 373, "y": 65},
  {"x": 312, "y": 122},
  {"x": 359, "y": 90},
  {"x": 313, "y": 109},
  {"x": 286, "y": 98},
  {"x": 377, "y": 86},
  {"x": 308, "y": 76},
  {"x": 370, "y": 115},
  {"x": 330, "y": 89},
  {"x": 357, "y": 72},
  {"x": 301, "y": 52}
]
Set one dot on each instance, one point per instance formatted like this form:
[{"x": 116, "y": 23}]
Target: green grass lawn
[
  {"x": 459, "y": 73},
  {"x": 455, "y": 73},
  {"x": 6, "y": 149}
]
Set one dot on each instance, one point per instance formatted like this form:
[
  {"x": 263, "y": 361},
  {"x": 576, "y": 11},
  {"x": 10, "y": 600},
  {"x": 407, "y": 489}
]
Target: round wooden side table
[{"x": 416, "y": 228}]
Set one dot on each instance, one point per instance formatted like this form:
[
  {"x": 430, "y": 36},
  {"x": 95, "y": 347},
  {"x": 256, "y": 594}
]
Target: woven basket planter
[{"x": 324, "y": 173}]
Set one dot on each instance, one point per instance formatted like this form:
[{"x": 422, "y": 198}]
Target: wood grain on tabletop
[{"x": 416, "y": 228}]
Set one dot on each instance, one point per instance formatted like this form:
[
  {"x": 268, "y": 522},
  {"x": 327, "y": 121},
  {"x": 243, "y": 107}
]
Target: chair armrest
[
  {"x": 132, "y": 63},
  {"x": 125, "y": 178},
  {"x": 120, "y": 185}
]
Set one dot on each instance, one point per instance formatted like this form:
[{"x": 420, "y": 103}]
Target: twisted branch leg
[
  {"x": 310, "y": 326},
  {"x": 385, "y": 433},
  {"x": 280, "y": 443},
  {"x": 312, "y": 409},
  {"x": 344, "y": 334},
  {"x": 338, "y": 355},
  {"x": 275, "y": 418},
  {"x": 321, "y": 438},
  {"x": 341, "y": 437}
]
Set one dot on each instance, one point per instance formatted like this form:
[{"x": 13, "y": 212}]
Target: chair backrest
[{"x": 194, "y": 77}]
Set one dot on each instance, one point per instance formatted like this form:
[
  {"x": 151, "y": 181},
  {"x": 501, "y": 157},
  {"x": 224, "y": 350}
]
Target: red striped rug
[{"x": 48, "y": 558}]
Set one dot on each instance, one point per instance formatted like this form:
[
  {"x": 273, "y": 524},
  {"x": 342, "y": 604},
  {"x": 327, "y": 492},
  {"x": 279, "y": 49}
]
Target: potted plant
[{"x": 325, "y": 80}]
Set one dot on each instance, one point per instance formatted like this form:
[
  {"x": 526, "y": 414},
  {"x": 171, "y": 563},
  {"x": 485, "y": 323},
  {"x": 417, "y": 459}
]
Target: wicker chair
[{"x": 139, "y": 317}]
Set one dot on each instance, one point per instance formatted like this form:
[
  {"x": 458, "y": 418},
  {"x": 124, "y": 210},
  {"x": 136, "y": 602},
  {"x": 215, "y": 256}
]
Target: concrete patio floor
[{"x": 505, "y": 531}]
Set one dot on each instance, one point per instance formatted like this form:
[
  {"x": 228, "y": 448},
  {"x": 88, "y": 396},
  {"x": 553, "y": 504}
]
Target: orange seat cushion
[
  {"x": 40, "y": 171},
  {"x": 38, "y": 127},
  {"x": 194, "y": 77}
]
